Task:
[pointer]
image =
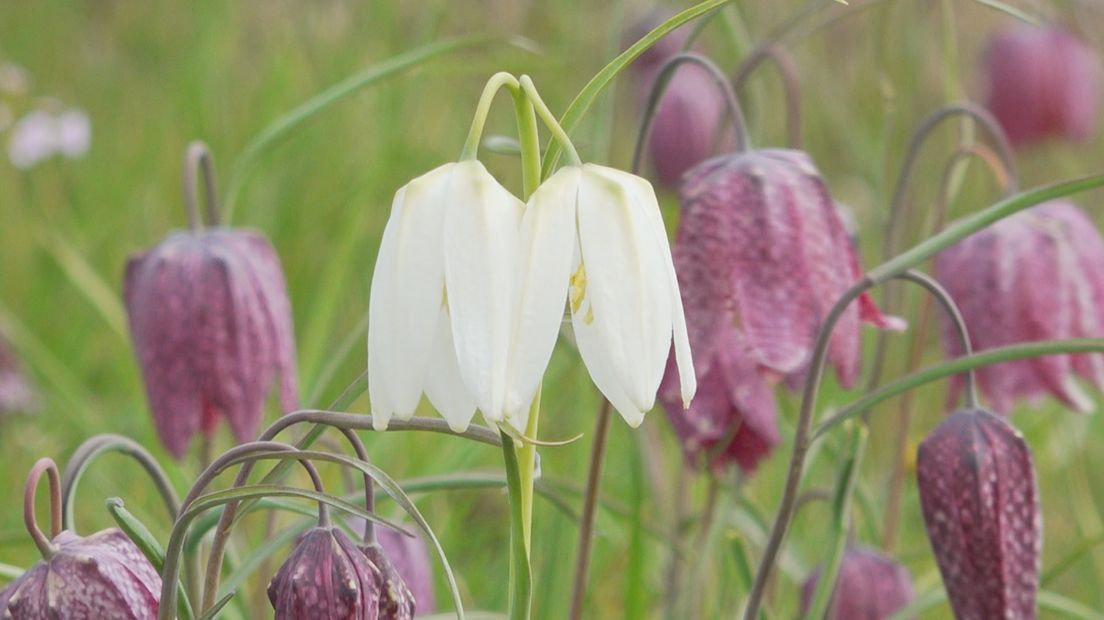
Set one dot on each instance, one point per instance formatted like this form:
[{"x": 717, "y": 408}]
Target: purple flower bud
[
  {"x": 1042, "y": 82},
  {"x": 411, "y": 557},
  {"x": 732, "y": 417},
  {"x": 761, "y": 244},
  {"x": 396, "y": 602},
  {"x": 328, "y": 578},
  {"x": 687, "y": 122},
  {"x": 101, "y": 576},
  {"x": 869, "y": 586},
  {"x": 663, "y": 49},
  {"x": 17, "y": 394},
  {"x": 211, "y": 325},
  {"x": 1037, "y": 275},
  {"x": 981, "y": 508}
]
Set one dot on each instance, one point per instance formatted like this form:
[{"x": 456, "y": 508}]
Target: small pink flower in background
[
  {"x": 869, "y": 586},
  {"x": 732, "y": 418},
  {"x": 981, "y": 508},
  {"x": 211, "y": 325},
  {"x": 40, "y": 135},
  {"x": 691, "y": 113},
  {"x": 101, "y": 576},
  {"x": 1037, "y": 275},
  {"x": 761, "y": 245},
  {"x": 17, "y": 394},
  {"x": 1042, "y": 83}
]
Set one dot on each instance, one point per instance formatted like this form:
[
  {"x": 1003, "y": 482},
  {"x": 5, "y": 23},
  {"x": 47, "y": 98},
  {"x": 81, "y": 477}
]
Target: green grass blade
[{"x": 142, "y": 538}]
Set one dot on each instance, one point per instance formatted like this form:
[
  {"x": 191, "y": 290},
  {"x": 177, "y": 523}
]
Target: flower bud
[
  {"x": 326, "y": 577},
  {"x": 1042, "y": 82},
  {"x": 396, "y": 601},
  {"x": 211, "y": 325},
  {"x": 410, "y": 556},
  {"x": 981, "y": 508},
  {"x": 869, "y": 586},
  {"x": 733, "y": 418},
  {"x": 1037, "y": 275},
  {"x": 761, "y": 245},
  {"x": 101, "y": 576}
]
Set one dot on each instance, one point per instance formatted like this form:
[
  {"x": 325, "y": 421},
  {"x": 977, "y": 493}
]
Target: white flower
[
  {"x": 40, "y": 135},
  {"x": 73, "y": 133},
  {"x": 441, "y": 313},
  {"x": 594, "y": 236}
]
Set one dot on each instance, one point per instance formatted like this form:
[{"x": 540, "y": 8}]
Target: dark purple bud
[
  {"x": 1037, "y": 275},
  {"x": 17, "y": 394},
  {"x": 663, "y": 49},
  {"x": 101, "y": 576},
  {"x": 869, "y": 586},
  {"x": 1041, "y": 83},
  {"x": 410, "y": 556},
  {"x": 732, "y": 418},
  {"x": 326, "y": 577},
  {"x": 762, "y": 245},
  {"x": 211, "y": 325},
  {"x": 396, "y": 601},
  {"x": 981, "y": 508},
  {"x": 687, "y": 123}
]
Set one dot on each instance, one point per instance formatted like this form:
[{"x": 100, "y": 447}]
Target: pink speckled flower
[
  {"x": 732, "y": 418},
  {"x": 869, "y": 586},
  {"x": 410, "y": 556},
  {"x": 17, "y": 394},
  {"x": 101, "y": 576},
  {"x": 761, "y": 245},
  {"x": 326, "y": 577},
  {"x": 396, "y": 601},
  {"x": 1037, "y": 275},
  {"x": 1042, "y": 82},
  {"x": 981, "y": 508},
  {"x": 211, "y": 325}
]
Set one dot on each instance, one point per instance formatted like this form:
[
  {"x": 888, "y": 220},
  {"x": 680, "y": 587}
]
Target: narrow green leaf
[
  {"x": 1067, "y": 607},
  {"x": 260, "y": 554},
  {"x": 919, "y": 604},
  {"x": 1008, "y": 9},
  {"x": 9, "y": 572},
  {"x": 88, "y": 281},
  {"x": 213, "y": 612},
  {"x": 1062, "y": 565}
]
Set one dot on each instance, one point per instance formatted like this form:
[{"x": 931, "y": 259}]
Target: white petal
[
  {"x": 443, "y": 386},
  {"x": 627, "y": 296},
  {"x": 417, "y": 289},
  {"x": 688, "y": 380},
  {"x": 546, "y": 247},
  {"x": 380, "y": 325},
  {"x": 480, "y": 249}
]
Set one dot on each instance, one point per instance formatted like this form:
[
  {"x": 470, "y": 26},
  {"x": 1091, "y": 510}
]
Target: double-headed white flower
[{"x": 470, "y": 287}]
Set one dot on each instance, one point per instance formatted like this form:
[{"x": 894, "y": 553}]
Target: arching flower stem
[{"x": 48, "y": 467}]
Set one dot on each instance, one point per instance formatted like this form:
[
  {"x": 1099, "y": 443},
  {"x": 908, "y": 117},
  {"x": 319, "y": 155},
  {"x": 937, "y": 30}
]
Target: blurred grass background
[{"x": 155, "y": 75}]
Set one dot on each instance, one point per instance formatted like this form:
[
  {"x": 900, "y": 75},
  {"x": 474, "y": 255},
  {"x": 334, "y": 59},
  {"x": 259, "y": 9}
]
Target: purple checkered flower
[
  {"x": 326, "y": 577},
  {"x": 869, "y": 586},
  {"x": 211, "y": 325},
  {"x": 1037, "y": 275},
  {"x": 981, "y": 508},
  {"x": 410, "y": 556},
  {"x": 1041, "y": 83}
]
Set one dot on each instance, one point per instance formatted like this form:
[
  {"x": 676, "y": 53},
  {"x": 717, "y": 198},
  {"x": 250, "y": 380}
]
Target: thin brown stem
[
  {"x": 198, "y": 160},
  {"x": 790, "y": 85},
  {"x": 659, "y": 87},
  {"x": 43, "y": 466},
  {"x": 590, "y": 510}
]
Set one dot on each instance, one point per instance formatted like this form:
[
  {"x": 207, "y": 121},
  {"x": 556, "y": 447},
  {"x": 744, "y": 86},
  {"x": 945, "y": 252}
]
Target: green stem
[
  {"x": 483, "y": 109},
  {"x": 527, "y": 455},
  {"x": 549, "y": 120},
  {"x": 529, "y": 140},
  {"x": 520, "y": 577}
]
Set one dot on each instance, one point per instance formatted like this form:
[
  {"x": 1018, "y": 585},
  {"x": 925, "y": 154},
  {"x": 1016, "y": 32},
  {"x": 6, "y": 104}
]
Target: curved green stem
[
  {"x": 198, "y": 160},
  {"x": 483, "y": 109},
  {"x": 659, "y": 87},
  {"x": 529, "y": 142},
  {"x": 791, "y": 87},
  {"x": 549, "y": 120}
]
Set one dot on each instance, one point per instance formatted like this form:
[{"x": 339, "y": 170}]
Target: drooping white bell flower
[
  {"x": 594, "y": 236},
  {"x": 443, "y": 297}
]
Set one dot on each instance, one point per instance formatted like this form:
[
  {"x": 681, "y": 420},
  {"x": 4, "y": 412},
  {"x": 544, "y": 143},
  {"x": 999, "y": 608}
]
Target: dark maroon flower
[
  {"x": 396, "y": 601},
  {"x": 869, "y": 586},
  {"x": 732, "y": 417},
  {"x": 981, "y": 508},
  {"x": 326, "y": 577},
  {"x": 761, "y": 245},
  {"x": 17, "y": 394},
  {"x": 101, "y": 576},
  {"x": 1042, "y": 82},
  {"x": 410, "y": 556},
  {"x": 211, "y": 324},
  {"x": 1037, "y": 275}
]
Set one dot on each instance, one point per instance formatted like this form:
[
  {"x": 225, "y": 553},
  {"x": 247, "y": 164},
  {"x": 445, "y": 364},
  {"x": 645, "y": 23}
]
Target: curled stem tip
[
  {"x": 483, "y": 109},
  {"x": 47, "y": 466},
  {"x": 790, "y": 84},
  {"x": 549, "y": 119},
  {"x": 659, "y": 87},
  {"x": 197, "y": 161}
]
